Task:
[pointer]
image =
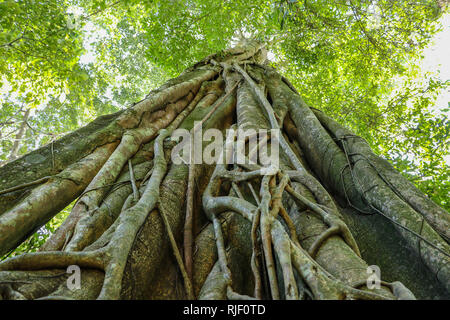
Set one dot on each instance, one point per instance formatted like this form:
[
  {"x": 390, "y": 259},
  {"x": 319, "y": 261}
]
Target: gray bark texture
[{"x": 143, "y": 227}]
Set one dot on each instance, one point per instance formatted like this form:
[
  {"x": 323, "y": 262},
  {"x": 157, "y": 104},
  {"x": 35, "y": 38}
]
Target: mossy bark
[{"x": 289, "y": 234}]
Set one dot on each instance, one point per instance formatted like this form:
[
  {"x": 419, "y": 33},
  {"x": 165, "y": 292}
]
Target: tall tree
[
  {"x": 69, "y": 61},
  {"x": 144, "y": 227}
]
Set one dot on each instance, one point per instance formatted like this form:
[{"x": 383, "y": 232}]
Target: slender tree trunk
[
  {"x": 145, "y": 227},
  {"x": 19, "y": 136}
]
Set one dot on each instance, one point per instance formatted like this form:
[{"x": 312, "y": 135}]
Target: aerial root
[
  {"x": 322, "y": 284},
  {"x": 110, "y": 252},
  {"x": 254, "y": 262},
  {"x": 277, "y": 204},
  {"x": 186, "y": 278},
  {"x": 188, "y": 224},
  {"x": 221, "y": 273},
  {"x": 133, "y": 182},
  {"x": 105, "y": 238},
  {"x": 281, "y": 244},
  {"x": 336, "y": 225},
  {"x": 25, "y": 185},
  {"x": 290, "y": 224},
  {"x": 7, "y": 292},
  {"x": 54, "y": 259},
  {"x": 113, "y": 256},
  {"x": 78, "y": 241},
  {"x": 398, "y": 289},
  {"x": 332, "y": 231},
  {"x": 231, "y": 295},
  {"x": 54, "y": 298},
  {"x": 334, "y": 222},
  {"x": 132, "y": 139},
  {"x": 255, "y": 265},
  {"x": 238, "y": 176}
]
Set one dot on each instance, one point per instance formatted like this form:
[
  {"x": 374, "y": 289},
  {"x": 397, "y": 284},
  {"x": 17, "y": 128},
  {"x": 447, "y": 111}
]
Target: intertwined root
[
  {"x": 95, "y": 238},
  {"x": 112, "y": 257},
  {"x": 7, "y": 291},
  {"x": 336, "y": 225},
  {"x": 274, "y": 238},
  {"x": 288, "y": 251}
]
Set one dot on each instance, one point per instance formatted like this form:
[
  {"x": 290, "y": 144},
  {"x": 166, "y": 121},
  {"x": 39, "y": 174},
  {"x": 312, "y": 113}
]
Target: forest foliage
[{"x": 65, "y": 62}]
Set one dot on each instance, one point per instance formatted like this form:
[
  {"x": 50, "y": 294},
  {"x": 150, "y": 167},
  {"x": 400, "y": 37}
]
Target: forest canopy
[{"x": 64, "y": 63}]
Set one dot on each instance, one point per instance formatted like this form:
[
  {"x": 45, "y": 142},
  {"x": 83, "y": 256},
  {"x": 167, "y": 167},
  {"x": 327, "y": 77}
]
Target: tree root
[
  {"x": 255, "y": 265},
  {"x": 54, "y": 259},
  {"x": 131, "y": 140},
  {"x": 130, "y": 222},
  {"x": 265, "y": 225},
  {"x": 136, "y": 194},
  {"x": 25, "y": 185},
  {"x": 336, "y": 224},
  {"x": 113, "y": 257},
  {"x": 179, "y": 259},
  {"x": 7, "y": 292},
  {"x": 281, "y": 268},
  {"x": 188, "y": 232}
]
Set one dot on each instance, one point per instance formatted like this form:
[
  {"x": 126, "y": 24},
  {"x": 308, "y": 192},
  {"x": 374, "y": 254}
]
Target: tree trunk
[
  {"x": 145, "y": 227},
  {"x": 19, "y": 135}
]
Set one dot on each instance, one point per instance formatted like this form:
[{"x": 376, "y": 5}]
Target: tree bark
[
  {"x": 144, "y": 227},
  {"x": 19, "y": 136}
]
